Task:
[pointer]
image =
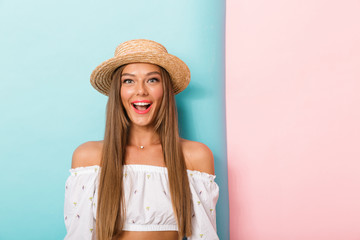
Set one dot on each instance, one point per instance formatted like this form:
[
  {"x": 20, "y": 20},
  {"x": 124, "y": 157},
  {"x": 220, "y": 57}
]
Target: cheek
[
  {"x": 158, "y": 93},
  {"x": 125, "y": 94}
]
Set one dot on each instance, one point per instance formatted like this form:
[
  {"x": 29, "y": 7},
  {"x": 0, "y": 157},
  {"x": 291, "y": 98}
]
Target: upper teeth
[{"x": 141, "y": 104}]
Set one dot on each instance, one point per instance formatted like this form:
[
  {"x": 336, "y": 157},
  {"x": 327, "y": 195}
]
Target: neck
[{"x": 143, "y": 136}]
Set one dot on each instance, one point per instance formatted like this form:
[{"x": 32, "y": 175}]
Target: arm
[
  {"x": 80, "y": 197},
  {"x": 204, "y": 190},
  {"x": 205, "y": 193}
]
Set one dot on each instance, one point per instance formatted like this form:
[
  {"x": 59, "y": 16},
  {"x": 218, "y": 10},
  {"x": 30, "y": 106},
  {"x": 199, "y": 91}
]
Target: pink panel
[{"x": 293, "y": 114}]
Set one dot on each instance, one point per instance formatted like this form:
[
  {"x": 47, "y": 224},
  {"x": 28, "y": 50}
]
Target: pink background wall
[{"x": 293, "y": 119}]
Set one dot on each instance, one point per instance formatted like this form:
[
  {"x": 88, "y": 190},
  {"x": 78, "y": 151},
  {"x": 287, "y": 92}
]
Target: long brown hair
[{"x": 111, "y": 206}]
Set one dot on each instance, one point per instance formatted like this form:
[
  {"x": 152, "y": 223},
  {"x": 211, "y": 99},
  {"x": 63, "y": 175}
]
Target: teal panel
[{"x": 48, "y": 107}]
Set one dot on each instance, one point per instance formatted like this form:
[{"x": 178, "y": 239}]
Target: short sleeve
[
  {"x": 80, "y": 203},
  {"x": 205, "y": 193}
]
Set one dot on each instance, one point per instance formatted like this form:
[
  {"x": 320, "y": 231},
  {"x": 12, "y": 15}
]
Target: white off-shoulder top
[{"x": 147, "y": 199}]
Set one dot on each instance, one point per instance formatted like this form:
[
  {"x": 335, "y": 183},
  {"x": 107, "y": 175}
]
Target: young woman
[{"x": 142, "y": 181}]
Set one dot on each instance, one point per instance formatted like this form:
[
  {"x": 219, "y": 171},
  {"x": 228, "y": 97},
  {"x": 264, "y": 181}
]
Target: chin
[
  {"x": 141, "y": 121},
  {"x": 141, "y": 124}
]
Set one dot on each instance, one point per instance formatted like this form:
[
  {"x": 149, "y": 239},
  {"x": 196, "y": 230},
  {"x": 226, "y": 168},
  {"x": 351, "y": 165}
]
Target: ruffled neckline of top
[{"x": 142, "y": 168}]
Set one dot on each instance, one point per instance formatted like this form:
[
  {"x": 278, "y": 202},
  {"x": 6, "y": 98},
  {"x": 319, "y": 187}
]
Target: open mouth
[{"x": 141, "y": 106}]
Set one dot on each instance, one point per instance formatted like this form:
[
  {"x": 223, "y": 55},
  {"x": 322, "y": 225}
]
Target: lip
[
  {"x": 136, "y": 101},
  {"x": 139, "y": 111}
]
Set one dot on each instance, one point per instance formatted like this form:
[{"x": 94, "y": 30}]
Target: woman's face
[{"x": 141, "y": 92}]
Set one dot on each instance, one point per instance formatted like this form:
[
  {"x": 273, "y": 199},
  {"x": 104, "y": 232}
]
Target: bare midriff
[{"x": 158, "y": 235}]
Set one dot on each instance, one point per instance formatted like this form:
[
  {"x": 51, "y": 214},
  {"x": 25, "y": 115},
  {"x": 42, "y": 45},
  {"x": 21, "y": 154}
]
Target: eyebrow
[{"x": 132, "y": 75}]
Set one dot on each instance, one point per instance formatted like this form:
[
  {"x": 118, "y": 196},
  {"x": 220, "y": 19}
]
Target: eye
[
  {"x": 127, "y": 81},
  {"x": 152, "y": 80}
]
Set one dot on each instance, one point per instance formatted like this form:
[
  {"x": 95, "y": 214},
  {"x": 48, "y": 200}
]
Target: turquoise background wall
[{"x": 48, "y": 107}]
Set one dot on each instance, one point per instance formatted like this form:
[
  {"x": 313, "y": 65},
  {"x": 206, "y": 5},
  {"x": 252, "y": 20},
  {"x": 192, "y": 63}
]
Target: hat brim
[{"x": 179, "y": 72}]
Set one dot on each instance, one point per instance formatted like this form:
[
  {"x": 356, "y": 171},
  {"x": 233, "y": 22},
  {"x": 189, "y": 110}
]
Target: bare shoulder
[
  {"x": 87, "y": 154},
  {"x": 198, "y": 156}
]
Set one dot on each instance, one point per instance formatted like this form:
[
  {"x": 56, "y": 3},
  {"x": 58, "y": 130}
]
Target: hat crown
[{"x": 139, "y": 45}]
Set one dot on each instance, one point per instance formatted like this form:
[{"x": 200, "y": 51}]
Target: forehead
[{"x": 141, "y": 68}]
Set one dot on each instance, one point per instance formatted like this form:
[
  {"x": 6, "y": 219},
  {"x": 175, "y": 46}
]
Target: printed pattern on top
[{"x": 147, "y": 199}]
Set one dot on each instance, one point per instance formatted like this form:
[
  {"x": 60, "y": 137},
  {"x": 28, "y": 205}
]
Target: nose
[{"x": 141, "y": 89}]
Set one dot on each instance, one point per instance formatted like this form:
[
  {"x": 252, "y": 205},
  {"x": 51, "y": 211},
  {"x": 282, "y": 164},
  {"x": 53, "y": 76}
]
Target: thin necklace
[{"x": 141, "y": 147}]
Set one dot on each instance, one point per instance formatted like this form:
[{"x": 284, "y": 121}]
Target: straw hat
[{"x": 142, "y": 51}]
